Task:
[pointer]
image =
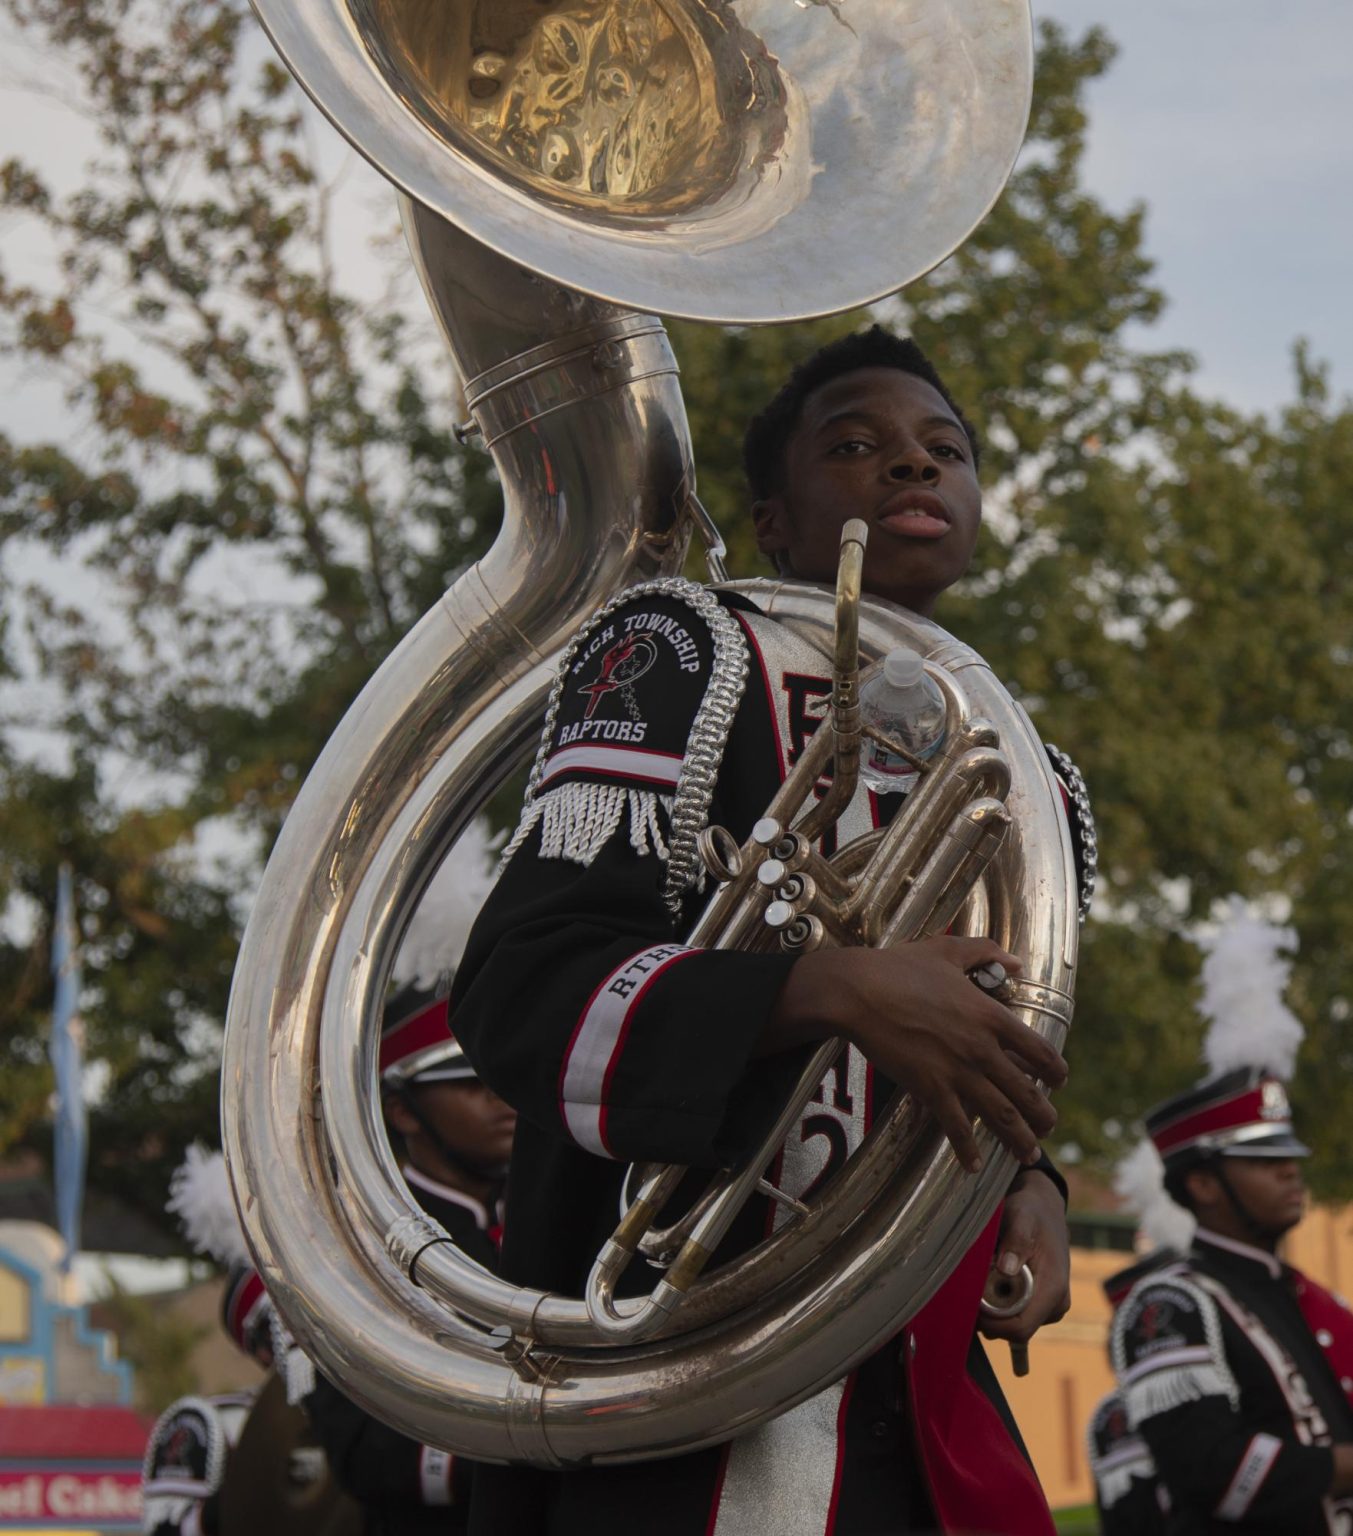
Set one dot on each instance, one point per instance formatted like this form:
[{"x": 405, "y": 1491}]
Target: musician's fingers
[
  {"x": 1023, "y": 1093},
  {"x": 1041, "y": 1059},
  {"x": 1002, "y": 1118},
  {"x": 957, "y": 1126},
  {"x": 1020, "y": 1239}
]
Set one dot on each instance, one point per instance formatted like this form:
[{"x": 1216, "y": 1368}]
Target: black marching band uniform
[
  {"x": 1128, "y": 1496},
  {"x": 402, "y": 1486},
  {"x": 1236, "y": 1370},
  {"x": 579, "y": 1002},
  {"x": 189, "y": 1447}
]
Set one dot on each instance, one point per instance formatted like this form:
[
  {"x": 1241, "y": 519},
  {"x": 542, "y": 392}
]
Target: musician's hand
[
  {"x": 1033, "y": 1232},
  {"x": 917, "y": 1016}
]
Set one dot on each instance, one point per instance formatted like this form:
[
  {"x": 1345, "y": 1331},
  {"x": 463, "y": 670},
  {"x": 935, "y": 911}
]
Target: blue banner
[{"x": 67, "y": 1049}]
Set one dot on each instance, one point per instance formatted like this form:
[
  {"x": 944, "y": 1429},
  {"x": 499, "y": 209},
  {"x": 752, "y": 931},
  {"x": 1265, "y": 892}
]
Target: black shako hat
[
  {"x": 417, "y": 1045},
  {"x": 1241, "y": 1113}
]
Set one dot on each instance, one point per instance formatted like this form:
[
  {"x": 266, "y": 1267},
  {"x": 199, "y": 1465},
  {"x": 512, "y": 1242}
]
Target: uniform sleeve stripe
[
  {"x": 1128, "y": 1453},
  {"x": 179, "y": 1487},
  {"x": 599, "y": 1040},
  {"x": 1260, "y": 1454},
  {"x": 434, "y": 1474},
  {"x": 1193, "y": 1354},
  {"x": 242, "y": 1310},
  {"x": 631, "y": 763}
]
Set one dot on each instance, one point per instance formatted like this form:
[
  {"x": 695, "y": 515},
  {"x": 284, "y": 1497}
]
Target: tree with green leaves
[
  {"x": 257, "y": 489},
  {"x": 157, "y": 1343}
]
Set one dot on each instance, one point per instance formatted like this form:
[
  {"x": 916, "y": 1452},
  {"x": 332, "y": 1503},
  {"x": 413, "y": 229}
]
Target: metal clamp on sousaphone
[{"x": 704, "y": 159}]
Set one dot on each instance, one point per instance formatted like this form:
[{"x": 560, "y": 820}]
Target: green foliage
[
  {"x": 256, "y": 492},
  {"x": 158, "y": 1345},
  {"x": 268, "y": 491},
  {"x": 1082, "y": 1521}
]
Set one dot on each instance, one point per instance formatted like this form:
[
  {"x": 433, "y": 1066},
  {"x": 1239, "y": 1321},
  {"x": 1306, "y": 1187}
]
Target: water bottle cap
[{"x": 903, "y": 669}]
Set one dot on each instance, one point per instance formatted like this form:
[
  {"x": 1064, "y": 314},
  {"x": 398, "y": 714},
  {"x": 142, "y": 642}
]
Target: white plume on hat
[
  {"x": 436, "y": 935},
  {"x": 1139, "y": 1182},
  {"x": 1245, "y": 973},
  {"x": 199, "y": 1195}
]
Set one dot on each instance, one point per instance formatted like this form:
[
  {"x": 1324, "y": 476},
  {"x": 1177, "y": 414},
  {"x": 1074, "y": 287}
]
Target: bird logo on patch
[
  {"x": 1155, "y": 1316},
  {"x": 621, "y": 667}
]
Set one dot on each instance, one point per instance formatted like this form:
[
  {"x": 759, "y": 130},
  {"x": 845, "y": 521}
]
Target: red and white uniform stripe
[
  {"x": 661, "y": 769},
  {"x": 598, "y": 1041}
]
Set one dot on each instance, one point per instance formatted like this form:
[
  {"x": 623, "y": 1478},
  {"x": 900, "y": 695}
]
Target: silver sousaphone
[{"x": 740, "y": 163}]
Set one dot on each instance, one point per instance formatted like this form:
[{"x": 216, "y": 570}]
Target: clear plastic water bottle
[{"x": 903, "y": 700}]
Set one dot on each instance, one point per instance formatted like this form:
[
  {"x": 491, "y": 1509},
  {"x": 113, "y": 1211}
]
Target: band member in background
[
  {"x": 456, "y": 1135},
  {"x": 190, "y": 1445},
  {"x": 1236, "y": 1370},
  {"x": 578, "y": 1000},
  {"x": 189, "y": 1455},
  {"x": 1128, "y": 1496}
]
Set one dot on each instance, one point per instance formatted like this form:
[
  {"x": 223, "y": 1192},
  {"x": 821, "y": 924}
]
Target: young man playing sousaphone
[{"x": 617, "y": 1042}]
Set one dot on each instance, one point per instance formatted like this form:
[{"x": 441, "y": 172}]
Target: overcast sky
[{"x": 1233, "y": 121}]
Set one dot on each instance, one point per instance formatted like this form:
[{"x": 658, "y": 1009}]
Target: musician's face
[
  {"x": 1271, "y": 1190},
  {"x": 881, "y": 445},
  {"x": 471, "y": 1120}
]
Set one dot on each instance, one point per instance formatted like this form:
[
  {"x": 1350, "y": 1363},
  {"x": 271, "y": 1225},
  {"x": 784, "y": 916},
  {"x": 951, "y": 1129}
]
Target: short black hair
[
  {"x": 768, "y": 433},
  {"x": 1177, "y": 1171},
  {"x": 1176, "y": 1183}
]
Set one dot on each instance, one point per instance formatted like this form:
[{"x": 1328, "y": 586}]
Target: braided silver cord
[
  {"x": 705, "y": 746},
  {"x": 1085, "y": 822}
]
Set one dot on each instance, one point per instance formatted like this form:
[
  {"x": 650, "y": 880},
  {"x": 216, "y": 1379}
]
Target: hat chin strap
[{"x": 1259, "y": 1235}]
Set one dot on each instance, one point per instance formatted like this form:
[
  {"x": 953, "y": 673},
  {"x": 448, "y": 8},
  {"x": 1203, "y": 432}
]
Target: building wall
[
  {"x": 48, "y": 1351},
  {"x": 1069, "y": 1367}
]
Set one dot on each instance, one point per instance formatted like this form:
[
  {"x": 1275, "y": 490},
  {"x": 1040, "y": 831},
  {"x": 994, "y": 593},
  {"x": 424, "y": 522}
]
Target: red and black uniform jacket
[
  {"x": 185, "y": 1466},
  {"x": 1237, "y": 1373},
  {"x": 404, "y": 1488},
  {"x": 1127, "y": 1494},
  {"x": 579, "y": 1003}
]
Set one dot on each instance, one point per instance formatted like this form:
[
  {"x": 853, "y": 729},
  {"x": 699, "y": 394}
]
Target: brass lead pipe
[{"x": 845, "y": 723}]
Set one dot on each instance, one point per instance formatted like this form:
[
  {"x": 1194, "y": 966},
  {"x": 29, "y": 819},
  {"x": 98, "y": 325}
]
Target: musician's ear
[
  {"x": 771, "y": 521},
  {"x": 402, "y": 1119},
  {"x": 1203, "y": 1190}
]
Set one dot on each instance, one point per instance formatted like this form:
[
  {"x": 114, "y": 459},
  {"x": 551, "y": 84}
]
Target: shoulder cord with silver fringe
[
  {"x": 290, "y": 1361},
  {"x": 1150, "y": 1389},
  {"x": 580, "y": 818},
  {"x": 1129, "y": 1460},
  {"x": 175, "y": 1505}
]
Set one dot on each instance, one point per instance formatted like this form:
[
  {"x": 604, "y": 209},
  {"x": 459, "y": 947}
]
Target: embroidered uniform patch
[
  {"x": 187, "y": 1451},
  {"x": 1167, "y": 1349},
  {"x": 637, "y": 721},
  {"x": 630, "y": 695},
  {"x": 1118, "y": 1458},
  {"x": 1161, "y": 1318}
]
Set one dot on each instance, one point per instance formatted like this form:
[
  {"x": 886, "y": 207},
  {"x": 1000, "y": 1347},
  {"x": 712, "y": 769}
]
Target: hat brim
[
  {"x": 442, "y": 1062},
  {"x": 1280, "y": 1144},
  {"x": 460, "y": 1072}
]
